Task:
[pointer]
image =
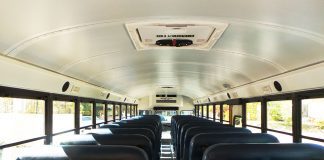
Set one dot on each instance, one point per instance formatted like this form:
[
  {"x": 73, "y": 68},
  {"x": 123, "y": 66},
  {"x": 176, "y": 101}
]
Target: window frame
[{"x": 49, "y": 98}]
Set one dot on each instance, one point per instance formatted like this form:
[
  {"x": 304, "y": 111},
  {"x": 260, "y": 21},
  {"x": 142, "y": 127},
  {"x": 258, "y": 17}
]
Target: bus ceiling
[{"x": 209, "y": 51}]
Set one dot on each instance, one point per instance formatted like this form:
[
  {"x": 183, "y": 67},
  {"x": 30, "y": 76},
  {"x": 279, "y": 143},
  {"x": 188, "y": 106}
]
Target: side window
[
  {"x": 253, "y": 116},
  {"x": 210, "y": 111},
  {"x": 312, "y": 120},
  {"x": 226, "y": 114},
  {"x": 279, "y": 118},
  {"x": 86, "y": 114},
  {"x": 110, "y": 112},
  {"x": 201, "y": 111},
  {"x": 217, "y": 112},
  {"x": 117, "y": 112},
  {"x": 100, "y": 116},
  {"x": 21, "y": 119},
  {"x": 205, "y": 111},
  {"x": 63, "y": 116},
  {"x": 123, "y": 111},
  {"x": 128, "y": 111}
]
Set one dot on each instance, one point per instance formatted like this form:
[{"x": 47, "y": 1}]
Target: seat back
[
  {"x": 174, "y": 122},
  {"x": 105, "y": 139},
  {"x": 197, "y": 130},
  {"x": 127, "y": 139},
  {"x": 264, "y": 152},
  {"x": 179, "y": 126},
  {"x": 141, "y": 131},
  {"x": 147, "y": 126},
  {"x": 126, "y": 125},
  {"x": 187, "y": 126},
  {"x": 83, "y": 152},
  {"x": 199, "y": 143}
]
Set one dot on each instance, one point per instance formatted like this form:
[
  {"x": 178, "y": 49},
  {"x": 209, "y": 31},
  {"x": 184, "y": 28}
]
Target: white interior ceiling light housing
[{"x": 177, "y": 34}]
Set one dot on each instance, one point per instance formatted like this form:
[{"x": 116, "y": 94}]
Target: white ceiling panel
[{"x": 88, "y": 41}]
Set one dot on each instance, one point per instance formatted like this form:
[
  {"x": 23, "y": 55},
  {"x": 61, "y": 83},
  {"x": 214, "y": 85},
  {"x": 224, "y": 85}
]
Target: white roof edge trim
[{"x": 294, "y": 81}]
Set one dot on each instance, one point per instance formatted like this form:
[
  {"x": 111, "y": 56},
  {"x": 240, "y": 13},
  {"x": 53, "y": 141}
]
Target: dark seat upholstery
[
  {"x": 146, "y": 121},
  {"x": 147, "y": 126},
  {"x": 79, "y": 140},
  {"x": 182, "y": 130},
  {"x": 83, "y": 153},
  {"x": 264, "y": 152},
  {"x": 174, "y": 122},
  {"x": 141, "y": 131},
  {"x": 180, "y": 124},
  {"x": 199, "y": 143},
  {"x": 197, "y": 130},
  {"x": 185, "y": 127},
  {"x": 104, "y": 139}
]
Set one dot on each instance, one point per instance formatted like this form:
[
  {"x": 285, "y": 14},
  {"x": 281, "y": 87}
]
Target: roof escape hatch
[{"x": 200, "y": 35}]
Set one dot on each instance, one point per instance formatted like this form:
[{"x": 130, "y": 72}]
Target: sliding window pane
[
  {"x": 100, "y": 116},
  {"x": 134, "y": 110},
  {"x": 63, "y": 116},
  {"x": 110, "y": 112},
  {"x": 217, "y": 112},
  {"x": 200, "y": 111},
  {"x": 210, "y": 111},
  {"x": 205, "y": 111},
  {"x": 313, "y": 118},
  {"x": 236, "y": 115},
  {"x": 279, "y": 115},
  {"x": 123, "y": 111},
  {"x": 21, "y": 119},
  {"x": 128, "y": 111},
  {"x": 226, "y": 112},
  {"x": 117, "y": 112},
  {"x": 253, "y": 114},
  {"x": 86, "y": 114}
]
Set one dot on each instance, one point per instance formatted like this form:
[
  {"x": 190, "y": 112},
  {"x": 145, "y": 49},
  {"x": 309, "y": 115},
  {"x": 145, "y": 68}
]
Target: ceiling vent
[
  {"x": 167, "y": 87},
  {"x": 177, "y": 34}
]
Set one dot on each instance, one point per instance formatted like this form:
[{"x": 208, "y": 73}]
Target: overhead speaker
[
  {"x": 277, "y": 86},
  {"x": 226, "y": 85},
  {"x": 107, "y": 95},
  {"x": 229, "y": 96},
  {"x": 66, "y": 85}
]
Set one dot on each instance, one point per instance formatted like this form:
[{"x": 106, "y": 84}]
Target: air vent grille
[
  {"x": 166, "y": 101},
  {"x": 161, "y": 34}
]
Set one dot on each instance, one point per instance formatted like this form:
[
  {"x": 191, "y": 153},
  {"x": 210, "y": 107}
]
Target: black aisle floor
[{"x": 166, "y": 147}]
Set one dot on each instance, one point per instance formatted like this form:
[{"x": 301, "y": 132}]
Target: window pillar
[
  {"x": 105, "y": 112},
  {"x": 114, "y": 112},
  {"x": 214, "y": 112},
  {"x": 264, "y": 115},
  {"x": 244, "y": 114},
  {"x": 296, "y": 119},
  {"x": 221, "y": 113},
  {"x": 94, "y": 110},
  {"x": 49, "y": 119},
  {"x": 77, "y": 116}
]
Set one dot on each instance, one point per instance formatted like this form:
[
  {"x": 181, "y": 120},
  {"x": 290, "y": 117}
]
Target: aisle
[{"x": 166, "y": 147}]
